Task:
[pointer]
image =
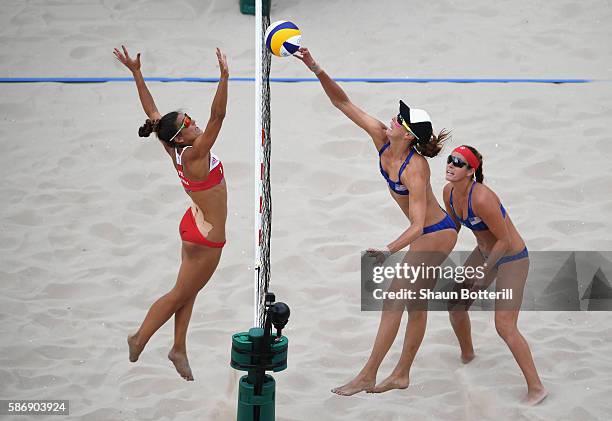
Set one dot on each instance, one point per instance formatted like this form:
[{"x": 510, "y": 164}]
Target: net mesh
[{"x": 266, "y": 196}]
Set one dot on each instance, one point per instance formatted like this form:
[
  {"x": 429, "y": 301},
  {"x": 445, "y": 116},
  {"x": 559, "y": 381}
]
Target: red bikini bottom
[{"x": 189, "y": 232}]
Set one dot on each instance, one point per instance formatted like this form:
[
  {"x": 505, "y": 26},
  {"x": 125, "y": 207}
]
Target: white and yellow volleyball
[{"x": 283, "y": 38}]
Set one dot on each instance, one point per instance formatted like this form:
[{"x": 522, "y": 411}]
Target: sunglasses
[
  {"x": 457, "y": 162},
  {"x": 406, "y": 126},
  {"x": 186, "y": 123}
]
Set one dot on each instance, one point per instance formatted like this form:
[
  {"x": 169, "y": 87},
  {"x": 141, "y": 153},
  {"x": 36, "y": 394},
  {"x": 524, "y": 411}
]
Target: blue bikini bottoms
[
  {"x": 520, "y": 255},
  {"x": 446, "y": 223}
]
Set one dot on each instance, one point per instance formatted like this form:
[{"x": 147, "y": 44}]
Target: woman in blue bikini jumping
[
  {"x": 500, "y": 251},
  {"x": 402, "y": 148}
]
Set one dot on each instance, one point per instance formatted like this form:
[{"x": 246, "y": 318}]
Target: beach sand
[{"x": 90, "y": 211}]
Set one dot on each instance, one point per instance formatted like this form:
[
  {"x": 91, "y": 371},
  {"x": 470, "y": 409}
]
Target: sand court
[{"x": 90, "y": 211}]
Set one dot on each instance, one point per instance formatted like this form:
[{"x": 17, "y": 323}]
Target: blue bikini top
[
  {"x": 472, "y": 221},
  {"x": 396, "y": 186}
]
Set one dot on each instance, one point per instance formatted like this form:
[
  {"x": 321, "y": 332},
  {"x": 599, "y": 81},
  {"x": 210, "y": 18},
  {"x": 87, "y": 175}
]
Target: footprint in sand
[
  {"x": 81, "y": 52},
  {"x": 570, "y": 227},
  {"x": 108, "y": 232},
  {"x": 26, "y": 217},
  {"x": 341, "y": 149},
  {"x": 67, "y": 162}
]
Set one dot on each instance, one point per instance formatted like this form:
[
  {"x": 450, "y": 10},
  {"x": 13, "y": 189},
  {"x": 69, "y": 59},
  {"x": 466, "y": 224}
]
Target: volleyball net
[{"x": 263, "y": 196}]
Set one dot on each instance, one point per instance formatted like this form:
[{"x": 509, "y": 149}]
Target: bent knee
[
  {"x": 505, "y": 327},
  {"x": 457, "y": 315},
  {"x": 417, "y": 316},
  {"x": 178, "y": 297}
]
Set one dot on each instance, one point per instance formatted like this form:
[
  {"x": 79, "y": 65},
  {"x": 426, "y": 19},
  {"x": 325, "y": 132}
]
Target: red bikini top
[{"x": 215, "y": 176}]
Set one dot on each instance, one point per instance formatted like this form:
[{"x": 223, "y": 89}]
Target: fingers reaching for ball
[
  {"x": 299, "y": 54},
  {"x": 303, "y": 54}
]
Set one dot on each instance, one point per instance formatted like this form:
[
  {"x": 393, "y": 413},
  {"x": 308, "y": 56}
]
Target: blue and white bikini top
[
  {"x": 472, "y": 221},
  {"x": 396, "y": 186}
]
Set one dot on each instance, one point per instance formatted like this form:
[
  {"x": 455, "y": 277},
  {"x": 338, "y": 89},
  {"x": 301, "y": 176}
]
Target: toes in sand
[
  {"x": 535, "y": 397},
  {"x": 465, "y": 359},
  {"x": 181, "y": 363},
  {"x": 358, "y": 384},
  {"x": 392, "y": 382},
  {"x": 135, "y": 348}
]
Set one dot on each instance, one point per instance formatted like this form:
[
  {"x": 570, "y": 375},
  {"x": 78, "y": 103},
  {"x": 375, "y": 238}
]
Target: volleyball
[{"x": 283, "y": 38}]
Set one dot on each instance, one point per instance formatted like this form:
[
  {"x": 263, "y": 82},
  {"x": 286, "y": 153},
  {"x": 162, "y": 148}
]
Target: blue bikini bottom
[
  {"x": 446, "y": 223},
  {"x": 520, "y": 255}
]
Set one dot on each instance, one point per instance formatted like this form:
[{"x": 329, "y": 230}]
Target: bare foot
[
  {"x": 135, "y": 347},
  {"x": 394, "y": 381},
  {"x": 358, "y": 384},
  {"x": 467, "y": 357},
  {"x": 181, "y": 363},
  {"x": 535, "y": 396}
]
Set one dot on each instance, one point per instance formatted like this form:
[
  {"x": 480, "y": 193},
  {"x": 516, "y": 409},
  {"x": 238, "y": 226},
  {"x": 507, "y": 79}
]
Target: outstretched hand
[
  {"x": 304, "y": 55},
  {"x": 129, "y": 62},
  {"x": 223, "y": 68}
]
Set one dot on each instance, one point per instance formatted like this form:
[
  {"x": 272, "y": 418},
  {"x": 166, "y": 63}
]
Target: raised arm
[
  {"x": 148, "y": 104},
  {"x": 375, "y": 128},
  {"x": 206, "y": 140}
]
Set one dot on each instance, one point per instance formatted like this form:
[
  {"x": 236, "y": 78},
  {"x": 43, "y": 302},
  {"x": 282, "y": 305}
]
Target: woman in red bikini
[{"x": 202, "y": 228}]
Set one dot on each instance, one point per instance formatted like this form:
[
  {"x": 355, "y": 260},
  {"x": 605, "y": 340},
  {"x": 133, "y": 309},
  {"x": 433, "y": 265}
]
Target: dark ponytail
[
  {"x": 149, "y": 127},
  {"x": 434, "y": 145},
  {"x": 164, "y": 128},
  {"x": 478, "y": 174}
]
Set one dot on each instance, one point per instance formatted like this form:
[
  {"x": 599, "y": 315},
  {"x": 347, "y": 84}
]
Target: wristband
[{"x": 315, "y": 68}]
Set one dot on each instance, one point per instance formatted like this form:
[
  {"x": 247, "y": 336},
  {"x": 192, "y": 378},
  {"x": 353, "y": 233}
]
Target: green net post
[
  {"x": 247, "y": 7},
  {"x": 248, "y": 400},
  {"x": 256, "y": 352}
]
